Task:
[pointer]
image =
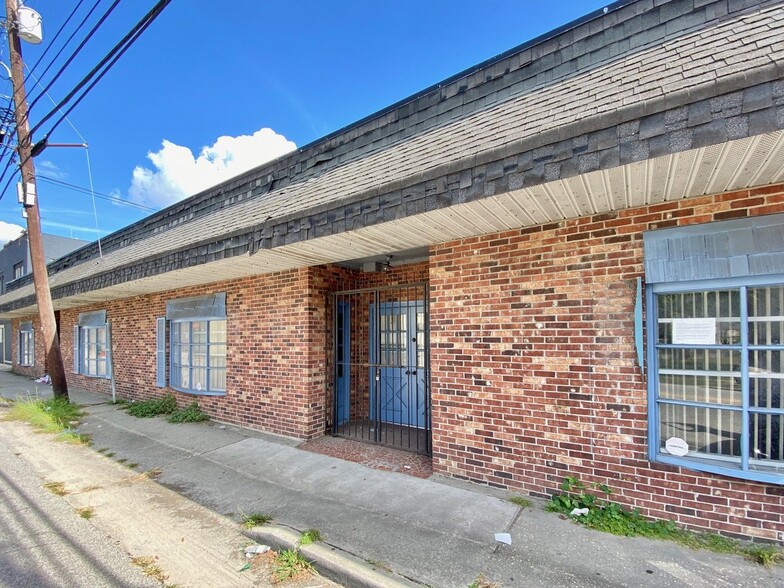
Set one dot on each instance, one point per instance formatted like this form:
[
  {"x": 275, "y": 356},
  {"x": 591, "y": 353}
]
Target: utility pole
[{"x": 43, "y": 295}]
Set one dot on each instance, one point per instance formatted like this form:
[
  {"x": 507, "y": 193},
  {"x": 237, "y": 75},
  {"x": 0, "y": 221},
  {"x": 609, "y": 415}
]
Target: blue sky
[{"x": 206, "y": 70}]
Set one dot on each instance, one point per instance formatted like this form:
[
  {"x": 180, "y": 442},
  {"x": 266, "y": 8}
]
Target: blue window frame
[
  {"x": 715, "y": 350},
  {"x": 26, "y": 344},
  {"x": 93, "y": 354},
  {"x": 198, "y": 356}
]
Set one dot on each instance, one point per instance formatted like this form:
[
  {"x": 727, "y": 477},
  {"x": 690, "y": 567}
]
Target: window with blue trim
[
  {"x": 716, "y": 376},
  {"x": 198, "y": 355},
  {"x": 26, "y": 344},
  {"x": 93, "y": 355}
]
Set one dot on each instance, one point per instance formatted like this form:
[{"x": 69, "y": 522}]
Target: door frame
[{"x": 359, "y": 311}]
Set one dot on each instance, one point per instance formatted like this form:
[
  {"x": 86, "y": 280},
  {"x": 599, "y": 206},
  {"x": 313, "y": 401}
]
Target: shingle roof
[{"x": 644, "y": 84}]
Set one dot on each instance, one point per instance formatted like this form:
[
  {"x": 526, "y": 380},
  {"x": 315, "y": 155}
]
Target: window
[
  {"x": 717, "y": 379},
  {"x": 91, "y": 350},
  {"x": 198, "y": 355},
  {"x": 26, "y": 344},
  {"x": 18, "y": 270},
  {"x": 2, "y": 284},
  {"x": 197, "y": 345},
  {"x": 715, "y": 347}
]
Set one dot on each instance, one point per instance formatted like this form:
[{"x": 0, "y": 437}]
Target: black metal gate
[{"x": 381, "y": 360}]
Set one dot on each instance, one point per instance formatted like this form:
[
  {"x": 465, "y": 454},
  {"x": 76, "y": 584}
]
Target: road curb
[{"x": 330, "y": 561}]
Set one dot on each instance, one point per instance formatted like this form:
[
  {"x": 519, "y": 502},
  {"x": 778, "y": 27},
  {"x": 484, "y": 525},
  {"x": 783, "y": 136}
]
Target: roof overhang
[{"x": 735, "y": 165}]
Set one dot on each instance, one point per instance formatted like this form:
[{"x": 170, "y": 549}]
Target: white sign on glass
[
  {"x": 676, "y": 446},
  {"x": 694, "y": 331}
]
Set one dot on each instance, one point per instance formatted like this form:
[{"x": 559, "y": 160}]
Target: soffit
[{"x": 735, "y": 165}]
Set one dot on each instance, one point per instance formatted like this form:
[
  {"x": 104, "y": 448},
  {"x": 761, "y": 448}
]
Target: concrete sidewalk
[{"x": 427, "y": 532}]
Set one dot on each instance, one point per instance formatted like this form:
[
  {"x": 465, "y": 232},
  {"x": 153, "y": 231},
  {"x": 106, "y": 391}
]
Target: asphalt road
[{"x": 44, "y": 543}]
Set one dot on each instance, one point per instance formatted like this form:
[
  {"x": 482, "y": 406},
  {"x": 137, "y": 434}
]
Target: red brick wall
[
  {"x": 533, "y": 366},
  {"x": 275, "y": 374}
]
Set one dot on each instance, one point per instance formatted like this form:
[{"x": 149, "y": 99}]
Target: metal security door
[{"x": 381, "y": 370}]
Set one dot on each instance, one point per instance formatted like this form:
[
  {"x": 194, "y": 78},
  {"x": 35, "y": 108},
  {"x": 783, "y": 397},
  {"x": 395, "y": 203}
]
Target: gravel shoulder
[{"x": 132, "y": 516}]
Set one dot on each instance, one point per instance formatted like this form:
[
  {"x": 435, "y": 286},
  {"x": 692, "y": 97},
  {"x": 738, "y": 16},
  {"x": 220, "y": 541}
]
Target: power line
[
  {"x": 57, "y": 34},
  {"x": 111, "y": 58},
  {"x": 117, "y": 51},
  {"x": 83, "y": 190},
  {"x": 71, "y": 58}
]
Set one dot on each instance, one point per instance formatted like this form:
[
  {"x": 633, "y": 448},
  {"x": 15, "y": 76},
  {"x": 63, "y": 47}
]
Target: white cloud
[
  {"x": 50, "y": 170},
  {"x": 9, "y": 232},
  {"x": 179, "y": 174}
]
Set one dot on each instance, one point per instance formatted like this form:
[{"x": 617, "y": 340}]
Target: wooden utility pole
[{"x": 43, "y": 295}]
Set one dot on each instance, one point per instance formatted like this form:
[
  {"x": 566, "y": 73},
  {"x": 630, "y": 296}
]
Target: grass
[
  {"x": 50, "y": 416},
  {"x": 110, "y": 454},
  {"x": 190, "y": 414},
  {"x": 255, "y": 519},
  {"x": 56, "y": 488},
  {"x": 122, "y": 460},
  {"x": 310, "y": 536},
  {"x": 289, "y": 563},
  {"x": 521, "y": 501},
  {"x": 133, "y": 465},
  {"x": 482, "y": 582},
  {"x": 611, "y": 517},
  {"x": 86, "y": 512},
  {"x": 150, "y": 567},
  {"x": 152, "y": 407}
]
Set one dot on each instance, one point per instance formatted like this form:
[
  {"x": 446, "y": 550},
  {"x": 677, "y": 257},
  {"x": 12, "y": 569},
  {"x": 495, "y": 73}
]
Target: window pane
[
  {"x": 701, "y": 360},
  {"x": 199, "y": 332},
  {"x": 699, "y": 388},
  {"x": 765, "y": 378},
  {"x": 217, "y": 356},
  {"x": 217, "y": 379},
  {"x": 217, "y": 331},
  {"x": 184, "y": 333},
  {"x": 707, "y": 431},
  {"x": 185, "y": 381},
  {"x": 766, "y": 315},
  {"x": 767, "y": 442},
  {"x": 723, "y": 305},
  {"x": 199, "y": 379},
  {"x": 199, "y": 355}
]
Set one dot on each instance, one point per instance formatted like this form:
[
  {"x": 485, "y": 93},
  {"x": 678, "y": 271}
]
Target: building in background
[{"x": 15, "y": 264}]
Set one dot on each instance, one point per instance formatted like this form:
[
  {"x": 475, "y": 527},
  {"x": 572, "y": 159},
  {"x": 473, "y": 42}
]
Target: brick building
[{"x": 568, "y": 260}]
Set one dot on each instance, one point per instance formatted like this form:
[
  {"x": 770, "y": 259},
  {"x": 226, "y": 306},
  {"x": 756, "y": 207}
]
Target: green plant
[
  {"x": 57, "y": 488},
  {"x": 255, "y": 519},
  {"x": 152, "y": 407},
  {"x": 133, "y": 465},
  {"x": 310, "y": 536},
  {"x": 289, "y": 563},
  {"x": 51, "y": 416},
  {"x": 520, "y": 501},
  {"x": 767, "y": 555},
  {"x": 86, "y": 512},
  {"x": 75, "y": 438},
  {"x": 482, "y": 582},
  {"x": 190, "y": 414},
  {"x": 149, "y": 567},
  {"x": 611, "y": 517},
  {"x": 122, "y": 460},
  {"x": 110, "y": 454}
]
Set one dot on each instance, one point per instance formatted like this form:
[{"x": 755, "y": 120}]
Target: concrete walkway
[{"x": 427, "y": 532}]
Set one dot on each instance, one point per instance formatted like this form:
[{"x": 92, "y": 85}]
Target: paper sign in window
[{"x": 694, "y": 331}]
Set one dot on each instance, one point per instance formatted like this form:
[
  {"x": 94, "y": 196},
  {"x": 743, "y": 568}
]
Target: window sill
[
  {"x": 199, "y": 392},
  {"x": 97, "y": 376},
  {"x": 731, "y": 472}
]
